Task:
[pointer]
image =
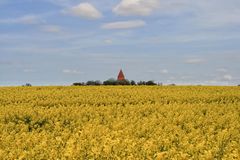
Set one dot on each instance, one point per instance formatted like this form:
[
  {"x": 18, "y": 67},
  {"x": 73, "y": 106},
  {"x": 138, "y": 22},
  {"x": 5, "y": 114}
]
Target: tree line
[{"x": 115, "y": 82}]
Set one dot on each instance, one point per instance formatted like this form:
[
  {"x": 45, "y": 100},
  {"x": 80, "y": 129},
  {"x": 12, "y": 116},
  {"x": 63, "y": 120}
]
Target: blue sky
[{"x": 58, "y": 42}]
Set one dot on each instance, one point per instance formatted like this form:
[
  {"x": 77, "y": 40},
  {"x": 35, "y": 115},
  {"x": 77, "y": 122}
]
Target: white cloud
[
  {"x": 136, "y": 7},
  {"x": 186, "y": 77},
  {"x": 124, "y": 24},
  {"x": 194, "y": 61},
  {"x": 223, "y": 70},
  {"x": 203, "y": 14},
  {"x": 225, "y": 13},
  {"x": 164, "y": 71},
  {"x": 27, "y": 19},
  {"x": 62, "y": 3},
  {"x": 211, "y": 82},
  {"x": 51, "y": 28},
  {"x": 70, "y": 71},
  {"x": 84, "y": 10},
  {"x": 227, "y": 77}
]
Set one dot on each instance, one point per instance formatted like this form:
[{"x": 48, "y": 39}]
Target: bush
[
  {"x": 151, "y": 83},
  {"x": 141, "y": 83},
  {"x": 27, "y": 85},
  {"x": 78, "y": 84},
  {"x": 133, "y": 82},
  {"x": 123, "y": 82},
  {"x": 111, "y": 81},
  {"x": 94, "y": 83},
  {"x": 98, "y": 83},
  {"x": 116, "y": 82}
]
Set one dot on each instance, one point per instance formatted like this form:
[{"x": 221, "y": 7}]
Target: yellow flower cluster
[{"x": 115, "y": 122}]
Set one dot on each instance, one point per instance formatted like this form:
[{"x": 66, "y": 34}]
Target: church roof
[{"x": 121, "y": 75}]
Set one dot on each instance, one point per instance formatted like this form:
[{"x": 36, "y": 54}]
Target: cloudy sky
[{"x": 58, "y": 42}]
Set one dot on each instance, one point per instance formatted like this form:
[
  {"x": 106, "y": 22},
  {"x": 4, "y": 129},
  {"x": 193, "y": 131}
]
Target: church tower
[{"x": 121, "y": 76}]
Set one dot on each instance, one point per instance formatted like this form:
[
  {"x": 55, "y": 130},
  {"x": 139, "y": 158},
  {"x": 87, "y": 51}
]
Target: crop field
[{"x": 120, "y": 122}]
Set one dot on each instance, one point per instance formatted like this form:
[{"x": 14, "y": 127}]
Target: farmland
[{"x": 120, "y": 122}]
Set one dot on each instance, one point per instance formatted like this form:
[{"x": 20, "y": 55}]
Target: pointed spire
[{"x": 121, "y": 76}]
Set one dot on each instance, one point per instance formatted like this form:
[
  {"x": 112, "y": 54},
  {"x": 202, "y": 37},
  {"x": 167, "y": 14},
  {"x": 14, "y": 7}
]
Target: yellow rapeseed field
[{"x": 116, "y": 122}]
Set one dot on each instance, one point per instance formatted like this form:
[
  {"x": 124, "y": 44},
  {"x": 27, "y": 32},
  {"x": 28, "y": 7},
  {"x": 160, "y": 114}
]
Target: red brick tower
[{"x": 121, "y": 76}]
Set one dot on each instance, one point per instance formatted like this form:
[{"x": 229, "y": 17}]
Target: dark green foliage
[
  {"x": 94, "y": 83},
  {"x": 123, "y": 82},
  {"x": 114, "y": 82},
  {"x": 141, "y": 83},
  {"x": 133, "y": 82},
  {"x": 27, "y": 85},
  {"x": 110, "y": 81},
  {"x": 151, "y": 83},
  {"x": 78, "y": 84}
]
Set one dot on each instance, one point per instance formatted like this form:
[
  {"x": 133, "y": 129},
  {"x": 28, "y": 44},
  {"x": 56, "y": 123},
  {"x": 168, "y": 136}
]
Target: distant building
[{"x": 121, "y": 76}]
